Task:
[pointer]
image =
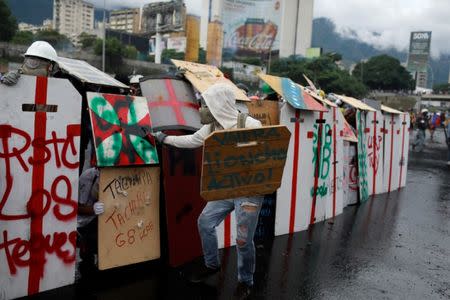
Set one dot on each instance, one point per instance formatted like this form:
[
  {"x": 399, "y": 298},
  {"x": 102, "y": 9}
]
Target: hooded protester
[
  {"x": 219, "y": 112},
  {"x": 40, "y": 60}
]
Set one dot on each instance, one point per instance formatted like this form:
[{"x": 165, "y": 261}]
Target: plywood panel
[{"x": 128, "y": 230}]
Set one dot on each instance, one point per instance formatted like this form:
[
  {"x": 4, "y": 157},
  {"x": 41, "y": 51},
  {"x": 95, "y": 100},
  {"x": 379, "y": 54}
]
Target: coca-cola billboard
[{"x": 251, "y": 27}]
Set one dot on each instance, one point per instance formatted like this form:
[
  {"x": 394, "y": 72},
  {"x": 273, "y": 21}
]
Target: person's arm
[
  {"x": 191, "y": 141},
  {"x": 86, "y": 210}
]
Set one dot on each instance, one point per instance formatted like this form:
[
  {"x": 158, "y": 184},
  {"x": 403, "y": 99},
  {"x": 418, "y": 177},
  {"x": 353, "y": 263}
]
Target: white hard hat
[
  {"x": 424, "y": 110},
  {"x": 135, "y": 79},
  {"x": 43, "y": 50}
]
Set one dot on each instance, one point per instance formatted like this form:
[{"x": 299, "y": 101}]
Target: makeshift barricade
[
  {"x": 39, "y": 160},
  {"x": 396, "y": 141},
  {"x": 350, "y": 185},
  {"x": 172, "y": 104}
]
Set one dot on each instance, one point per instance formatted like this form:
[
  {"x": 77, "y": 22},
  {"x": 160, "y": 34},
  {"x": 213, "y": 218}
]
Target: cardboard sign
[
  {"x": 268, "y": 112},
  {"x": 243, "y": 162},
  {"x": 203, "y": 76},
  {"x": 121, "y": 126},
  {"x": 128, "y": 230},
  {"x": 39, "y": 159},
  {"x": 172, "y": 104}
]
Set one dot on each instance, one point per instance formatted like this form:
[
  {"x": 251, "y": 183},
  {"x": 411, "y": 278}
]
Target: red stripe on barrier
[
  {"x": 334, "y": 160},
  {"x": 37, "y": 254},
  {"x": 294, "y": 172},
  {"x": 174, "y": 103},
  {"x": 392, "y": 152},
  {"x": 374, "y": 165},
  {"x": 403, "y": 148},
  {"x": 316, "y": 173},
  {"x": 227, "y": 232}
]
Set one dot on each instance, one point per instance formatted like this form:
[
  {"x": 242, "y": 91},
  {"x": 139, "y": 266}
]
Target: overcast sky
[{"x": 383, "y": 23}]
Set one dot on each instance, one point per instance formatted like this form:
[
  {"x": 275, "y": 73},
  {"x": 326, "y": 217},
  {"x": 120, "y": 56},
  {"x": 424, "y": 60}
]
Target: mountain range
[{"x": 324, "y": 35}]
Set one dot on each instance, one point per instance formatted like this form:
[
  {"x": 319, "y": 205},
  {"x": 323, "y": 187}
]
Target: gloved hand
[
  {"x": 99, "y": 208},
  {"x": 159, "y": 136},
  {"x": 11, "y": 78}
]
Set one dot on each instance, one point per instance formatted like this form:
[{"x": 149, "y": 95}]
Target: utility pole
[
  {"x": 104, "y": 36},
  {"x": 158, "y": 40}
]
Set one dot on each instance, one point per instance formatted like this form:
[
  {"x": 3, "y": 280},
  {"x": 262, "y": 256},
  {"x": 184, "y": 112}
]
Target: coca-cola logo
[{"x": 259, "y": 42}]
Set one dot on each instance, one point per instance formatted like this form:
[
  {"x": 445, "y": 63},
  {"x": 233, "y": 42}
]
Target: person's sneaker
[
  {"x": 242, "y": 291},
  {"x": 200, "y": 272}
]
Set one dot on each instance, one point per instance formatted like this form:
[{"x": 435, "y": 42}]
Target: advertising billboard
[
  {"x": 251, "y": 27},
  {"x": 419, "y": 51}
]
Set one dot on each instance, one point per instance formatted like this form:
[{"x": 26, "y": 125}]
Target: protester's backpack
[{"x": 422, "y": 123}]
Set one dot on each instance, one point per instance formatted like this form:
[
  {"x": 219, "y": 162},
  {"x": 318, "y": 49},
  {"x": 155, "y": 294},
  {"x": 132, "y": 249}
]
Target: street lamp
[{"x": 104, "y": 35}]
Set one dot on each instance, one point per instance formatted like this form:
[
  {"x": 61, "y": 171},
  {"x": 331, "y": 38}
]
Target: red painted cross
[
  {"x": 174, "y": 103},
  {"x": 37, "y": 256}
]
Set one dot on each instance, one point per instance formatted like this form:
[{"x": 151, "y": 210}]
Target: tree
[
  {"x": 87, "y": 40},
  {"x": 23, "y": 38},
  {"x": 323, "y": 71},
  {"x": 201, "y": 56},
  {"x": 114, "y": 51},
  {"x": 442, "y": 88},
  {"x": 130, "y": 52},
  {"x": 8, "y": 24},
  {"x": 168, "y": 54},
  {"x": 384, "y": 72},
  {"x": 53, "y": 37}
]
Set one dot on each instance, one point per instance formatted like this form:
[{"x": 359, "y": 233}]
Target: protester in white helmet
[
  {"x": 134, "y": 85},
  {"x": 219, "y": 112},
  {"x": 40, "y": 60}
]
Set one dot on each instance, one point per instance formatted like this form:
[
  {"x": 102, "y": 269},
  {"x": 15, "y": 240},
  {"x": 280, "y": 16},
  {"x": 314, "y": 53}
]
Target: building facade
[
  {"x": 125, "y": 20},
  {"x": 173, "y": 17},
  {"x": 72, "y": 17}
]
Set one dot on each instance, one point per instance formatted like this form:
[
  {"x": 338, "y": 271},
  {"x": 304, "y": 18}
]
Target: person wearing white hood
[{"x": 219, "y": 112}]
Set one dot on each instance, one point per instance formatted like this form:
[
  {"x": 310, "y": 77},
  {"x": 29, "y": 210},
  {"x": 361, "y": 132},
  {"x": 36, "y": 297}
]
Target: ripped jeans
[{"x": 247, "y": 212}]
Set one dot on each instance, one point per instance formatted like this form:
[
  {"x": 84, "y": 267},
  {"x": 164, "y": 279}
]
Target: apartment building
[
  {"x": 72, "y": 17},
  {"x": 125, "y": 20}
]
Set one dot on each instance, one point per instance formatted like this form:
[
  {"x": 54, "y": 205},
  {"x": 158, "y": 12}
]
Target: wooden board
[
  {"x": 392, "y": 151},
  {"x": 243, "y": 162},
  {"x": 203, "y": 76},
  {"x": 128, "y": 230},
  {"x": 390, "y": 110},
  {"x": 350, "y": 174},
  {"x": 38, "y": 185},
  {"x": 268, "y": 112},
  {"x": 121, "y": 127},
  {"x": 404, "y": 156}
]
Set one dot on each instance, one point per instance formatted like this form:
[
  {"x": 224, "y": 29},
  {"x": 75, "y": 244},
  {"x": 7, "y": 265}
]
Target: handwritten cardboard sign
[
  {"x": 128, "y": 230},
  {"x": 243, "y": 162},
  {"x": 267, "y": 112},
  {"x": 39, "y": 160}
]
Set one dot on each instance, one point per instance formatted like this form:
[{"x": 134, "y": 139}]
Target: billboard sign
[
  {"x": 177, "y": 43},
  {"x": 419, "y": 51},
  {"x": 251, "y": 27}
]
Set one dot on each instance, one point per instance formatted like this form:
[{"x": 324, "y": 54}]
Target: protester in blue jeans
[
  {"x": 219, "y": 112},
  {"x": 422, "y": 125}
]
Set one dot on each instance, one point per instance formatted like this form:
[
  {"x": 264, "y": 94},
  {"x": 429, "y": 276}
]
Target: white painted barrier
[{"x": 39, "y": 160}]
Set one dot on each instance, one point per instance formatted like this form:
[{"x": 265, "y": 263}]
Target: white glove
[{"x": 99, "y": 208}]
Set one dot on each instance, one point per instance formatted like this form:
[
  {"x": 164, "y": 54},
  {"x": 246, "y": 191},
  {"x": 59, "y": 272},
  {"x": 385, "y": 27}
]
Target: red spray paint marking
[
  {"x": 334, "y": 160},
  {"x": 227, "y": 232},
  {"x": 176, "y": 105},
  {"x": 392, "y": 151},
  {"x": 294, "y": 171},
  {"x": 37, "y": 257},
  {"x": 316, "y": 173},
  {"x": 403, "y": 148},
  {"x": 374, "y": 165}
]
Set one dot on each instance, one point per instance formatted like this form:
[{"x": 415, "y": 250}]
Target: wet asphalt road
[{"x": 395, "y": 246}]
